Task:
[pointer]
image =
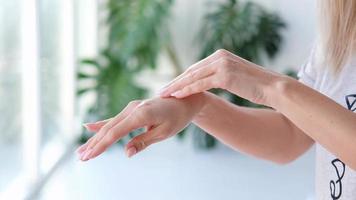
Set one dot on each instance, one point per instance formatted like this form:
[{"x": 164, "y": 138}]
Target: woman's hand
[
  {"x": 226, "y": 71},
  {"x": 162, "y": 119}
]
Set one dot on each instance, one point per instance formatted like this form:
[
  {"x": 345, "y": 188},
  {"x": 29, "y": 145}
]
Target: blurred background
[{"x": 65, "y": 62}]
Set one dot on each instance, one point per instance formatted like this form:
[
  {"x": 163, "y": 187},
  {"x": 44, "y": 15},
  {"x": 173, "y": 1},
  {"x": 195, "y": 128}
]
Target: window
[
  {"x": 10, "y": 92},
  {"x": 37, "y": 90}
]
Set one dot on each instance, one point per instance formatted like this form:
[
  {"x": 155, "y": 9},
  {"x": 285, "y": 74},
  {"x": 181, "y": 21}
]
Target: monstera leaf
[{"x": 244, "y": 28}]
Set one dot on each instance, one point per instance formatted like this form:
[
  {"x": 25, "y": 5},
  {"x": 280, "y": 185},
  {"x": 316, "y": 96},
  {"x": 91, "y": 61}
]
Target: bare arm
[
  {"x": 324, "y": 120},
  {"x": 318, "y": 116},
  {"x": 263, "y": 133},
  {"x": 266, "y": 134}
]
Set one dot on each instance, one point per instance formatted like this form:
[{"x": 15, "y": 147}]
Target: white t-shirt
[{"x": 334, "y": 179}]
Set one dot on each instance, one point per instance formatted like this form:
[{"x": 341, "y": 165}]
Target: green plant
[
  {"x": 136, "y": 33},
  {"x": 246, "y": 29}
]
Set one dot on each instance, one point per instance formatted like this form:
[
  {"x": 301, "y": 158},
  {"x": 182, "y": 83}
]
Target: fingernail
[
  {"x": 86, "y": 155},
  {"x": 177, "y": 94},
  {"x": 86, "y": 125},
  {"x": 81, "y": 155},
  {"x": 131, "y": 151}
]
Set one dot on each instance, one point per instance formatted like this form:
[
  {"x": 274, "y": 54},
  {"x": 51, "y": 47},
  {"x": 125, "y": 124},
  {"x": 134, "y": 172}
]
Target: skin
[
  {"x": 162, "y": 118},
  {"x": 280, "y": 134}
]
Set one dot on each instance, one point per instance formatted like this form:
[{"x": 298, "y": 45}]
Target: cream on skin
[{"x": 280, "y": 135}]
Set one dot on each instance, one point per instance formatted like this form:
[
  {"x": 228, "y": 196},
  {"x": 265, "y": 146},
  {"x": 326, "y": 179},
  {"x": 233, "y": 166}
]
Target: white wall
[
  {"x": 299, "y": 16},
  {"x": 300, "y": 34}
]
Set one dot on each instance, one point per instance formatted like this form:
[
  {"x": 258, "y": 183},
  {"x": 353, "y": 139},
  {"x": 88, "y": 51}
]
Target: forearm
[
  {"x": 327, "y": 122},
  {"x": 263, "y": 133}
]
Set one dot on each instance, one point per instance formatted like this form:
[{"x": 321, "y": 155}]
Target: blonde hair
[{"x": 337, "y": 32}]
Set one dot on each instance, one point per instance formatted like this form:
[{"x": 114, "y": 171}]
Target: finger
[
  {"x": 83, "y": 147},
  {"x": 117, "y": 119},
  {"x": 206, "y": 61},
  {"x": 200, "y": 73},
  {"x": 96, "y": 126},
  {"x": 141, "y": 142},
  {"x": 196, "y": 87},
  {"x": 117, "y": 132}
]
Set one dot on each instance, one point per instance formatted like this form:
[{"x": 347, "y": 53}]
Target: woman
[{"x": 316, "y": 109}]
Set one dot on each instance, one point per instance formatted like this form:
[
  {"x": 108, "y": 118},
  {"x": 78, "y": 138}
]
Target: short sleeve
[{"x": 307, "y": 73}]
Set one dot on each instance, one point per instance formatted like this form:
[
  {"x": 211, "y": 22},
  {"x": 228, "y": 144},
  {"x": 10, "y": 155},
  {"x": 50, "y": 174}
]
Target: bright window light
[
  {"x": 67, "y": 78},
  {"x": 30, "y": 90},
  {"x": 16, "y": 190}
]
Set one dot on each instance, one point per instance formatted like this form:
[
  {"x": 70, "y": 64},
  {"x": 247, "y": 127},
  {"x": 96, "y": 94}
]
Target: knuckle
[
  {"x": 222, "y": 53},
  {"x": 160, "y": 137},
  {"x": 190, "y": 73},
  {"x": 224, "y": 64},
  {"x": 140, "y": 144},
  {"x": 193, "y": 75},
  {"x": 134, "y": 102},
  {"x": 144, "y": 103},
  {"x": 187, "y": 71}
]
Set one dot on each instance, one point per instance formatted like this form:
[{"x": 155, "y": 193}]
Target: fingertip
[
  {"x": 164, "y": 95},
  {"x": 86, "y": 125},
  {"x": 85, "y": 156},
  {"x": 90, "y": 127},
  {"x": 167, "y": 92},
  {"x": 131, "y": 151},
  {"x": 80, "y": 155}
]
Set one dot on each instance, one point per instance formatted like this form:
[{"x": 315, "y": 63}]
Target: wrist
[
  {"x": 280, "y": 89},
  {"x": 206, "y": 99},
  {"x": 197, "y": 102}
]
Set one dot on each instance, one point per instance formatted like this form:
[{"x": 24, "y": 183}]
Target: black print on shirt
[
  {"x": 336, "y": 185},
  {"x": 351, "y": 102}
]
